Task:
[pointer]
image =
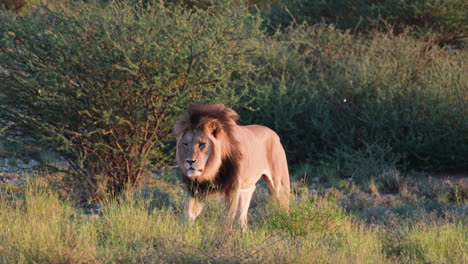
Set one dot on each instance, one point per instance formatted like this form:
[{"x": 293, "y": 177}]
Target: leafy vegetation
[
  {"x": 102, "y": 86},
  {"x": 421, "y": 16},
  {"x": 355, "y": 104},
  {"x": 79, "y": 83}
]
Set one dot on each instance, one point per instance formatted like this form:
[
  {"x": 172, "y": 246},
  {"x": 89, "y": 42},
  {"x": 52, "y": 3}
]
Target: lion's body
[{"x": 218, "y": 156}]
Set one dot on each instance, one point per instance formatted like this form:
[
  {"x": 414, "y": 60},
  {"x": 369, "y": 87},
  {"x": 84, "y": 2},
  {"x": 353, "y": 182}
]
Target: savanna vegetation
[
  {"x": 370, "y": 99},
  {"x": 38, "y": 226}
]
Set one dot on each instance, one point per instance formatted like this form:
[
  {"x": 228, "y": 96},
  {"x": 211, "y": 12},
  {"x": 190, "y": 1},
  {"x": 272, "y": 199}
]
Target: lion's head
[{"x": 205, "y": 140}]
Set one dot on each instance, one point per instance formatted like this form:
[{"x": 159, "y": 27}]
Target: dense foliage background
[
  {"x": 102, "y": 86},
  {"x": 418, "y": 16},
  {"x": 354, "y": 89},
  {"x": 361, "y": 105}
]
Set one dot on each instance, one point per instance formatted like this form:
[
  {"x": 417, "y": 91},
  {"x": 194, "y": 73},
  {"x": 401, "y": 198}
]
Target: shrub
[
  {"x": 422, "y": 15},
  {"x": 103, "y": 86},
  {"x": 340, "y": 99}
]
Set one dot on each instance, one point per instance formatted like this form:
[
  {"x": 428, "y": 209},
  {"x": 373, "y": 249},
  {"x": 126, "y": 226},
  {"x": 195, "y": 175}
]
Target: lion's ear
[{"x": 214, "y": 127}]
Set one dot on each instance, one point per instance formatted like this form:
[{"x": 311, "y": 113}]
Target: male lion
[{"x": 218, "y": 156}]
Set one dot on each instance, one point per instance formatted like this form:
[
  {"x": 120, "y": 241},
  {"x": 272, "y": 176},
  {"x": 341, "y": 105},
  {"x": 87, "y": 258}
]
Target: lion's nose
[{"x": 190, "y": 162}]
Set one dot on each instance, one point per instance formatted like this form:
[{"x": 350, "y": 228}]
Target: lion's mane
[{"x": 221, "y": 121}]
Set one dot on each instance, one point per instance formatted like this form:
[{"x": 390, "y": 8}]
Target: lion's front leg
[
  {"x": 245, "y": 196},
  {"x": 231, "y": 202},
  {"x": 193, "y": 208}
]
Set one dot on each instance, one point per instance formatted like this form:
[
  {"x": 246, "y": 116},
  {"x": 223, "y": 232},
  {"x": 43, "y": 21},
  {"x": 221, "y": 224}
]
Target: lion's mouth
[{"x": 191, "y": 172}]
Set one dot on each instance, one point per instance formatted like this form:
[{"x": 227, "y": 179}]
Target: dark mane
[
  {"x": 225, "y": 181},
  {"x": 202, "y": 114},
  {"x": 198, "y": 116}
]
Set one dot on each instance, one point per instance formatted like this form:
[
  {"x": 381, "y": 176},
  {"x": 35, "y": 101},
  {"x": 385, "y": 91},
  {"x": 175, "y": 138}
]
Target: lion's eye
[{"x": 201, "y": 145}]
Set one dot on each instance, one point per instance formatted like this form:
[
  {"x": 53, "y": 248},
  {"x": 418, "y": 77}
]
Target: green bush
[
  {"x": 103, "y": 86},
  {"x": 340, "y": 99},
  {"x": 447, "y": 16}
]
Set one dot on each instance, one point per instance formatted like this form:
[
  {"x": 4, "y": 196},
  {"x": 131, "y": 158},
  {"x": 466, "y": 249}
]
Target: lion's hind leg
[
  {"x": 279, "y": 187},
  {"x": 284, "y": 192}
]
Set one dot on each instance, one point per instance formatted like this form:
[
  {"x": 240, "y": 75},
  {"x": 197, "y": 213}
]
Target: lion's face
[{"x": 196, "y": 153}]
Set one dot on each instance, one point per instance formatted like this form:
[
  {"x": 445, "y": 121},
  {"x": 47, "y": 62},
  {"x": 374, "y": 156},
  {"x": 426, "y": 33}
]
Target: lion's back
[
  {"x": 258, "y": 136},
  {"x": 261, "y": 146}
]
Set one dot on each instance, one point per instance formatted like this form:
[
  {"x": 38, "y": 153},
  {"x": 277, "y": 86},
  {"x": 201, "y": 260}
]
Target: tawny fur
[{"x": 218, "y": 156}]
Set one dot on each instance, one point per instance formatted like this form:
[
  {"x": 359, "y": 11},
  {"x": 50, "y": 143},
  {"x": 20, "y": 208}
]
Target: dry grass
[{"x": 38, "y": 226}]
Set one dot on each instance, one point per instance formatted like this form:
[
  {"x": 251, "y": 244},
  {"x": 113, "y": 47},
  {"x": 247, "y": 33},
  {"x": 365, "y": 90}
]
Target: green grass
[
  {"x": 42, "y": 228},
  {"x": 38, "y": 226},
  {"x": 434, "y": 242}
]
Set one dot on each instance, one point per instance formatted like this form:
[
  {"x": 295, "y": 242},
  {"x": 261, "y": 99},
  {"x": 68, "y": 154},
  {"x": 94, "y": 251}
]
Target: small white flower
[{"x": 344, "y": 100}]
